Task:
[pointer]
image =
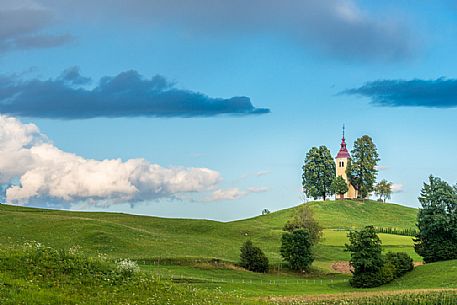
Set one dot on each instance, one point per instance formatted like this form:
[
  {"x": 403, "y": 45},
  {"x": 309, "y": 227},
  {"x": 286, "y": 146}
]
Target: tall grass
[
  {"x": 430, "y": 297},
  {"x": 35, "y": 274}
]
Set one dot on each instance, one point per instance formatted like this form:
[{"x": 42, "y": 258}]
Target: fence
[{"x": 192, "y": 279}]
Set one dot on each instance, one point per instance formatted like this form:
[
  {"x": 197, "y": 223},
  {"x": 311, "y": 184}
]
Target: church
[{"x": 341, "y": 160}]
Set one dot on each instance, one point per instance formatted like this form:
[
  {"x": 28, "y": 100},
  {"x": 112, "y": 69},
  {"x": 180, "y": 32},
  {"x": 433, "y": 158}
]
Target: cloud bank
[
  {"x": 22, "y": 25},
  {"x": 35, "y": 171},
  {"x": 339, "y": 28},
  {"x": 438, "y": 93},
  {"x": 127, "y": 94}
]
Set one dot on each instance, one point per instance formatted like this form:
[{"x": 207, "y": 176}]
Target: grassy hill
[
  {"x": 185, "y": 249},
  {"x": 143, "y": 237}
]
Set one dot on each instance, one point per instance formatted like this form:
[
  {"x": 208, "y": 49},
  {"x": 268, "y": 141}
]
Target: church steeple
[{"x": 343, "y": 153}]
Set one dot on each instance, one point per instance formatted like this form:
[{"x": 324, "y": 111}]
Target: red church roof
[{"x": 343, "y": 153}]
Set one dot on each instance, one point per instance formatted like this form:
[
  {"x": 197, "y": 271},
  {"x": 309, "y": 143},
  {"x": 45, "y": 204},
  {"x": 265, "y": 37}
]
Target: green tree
[
  {"x": 319, "y": 171},
  {"x": 366, "y": 258},
  {"x": 296, "y": 249},
  {"x": 401, "y": 261},
  {"x": 304, "y": 219},
  {"x": 437, "y": 221},
  {"x": 383, "y": 190},
  {"x": 265, "y": 212},
  {"x": 361, "y": 169},
  {"x": 252, "y": 258},
  {"x": 339, "y": 186}
]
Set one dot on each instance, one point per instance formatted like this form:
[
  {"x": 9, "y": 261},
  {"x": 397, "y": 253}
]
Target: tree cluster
[
  {"x": 370, "y": 267},
  {"x": 437, "y": 221},
  {"x": 301, "y": 234},
  {"x": 319, "y": 171}
]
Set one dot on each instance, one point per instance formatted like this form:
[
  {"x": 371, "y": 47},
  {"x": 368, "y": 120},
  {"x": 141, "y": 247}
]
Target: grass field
[{"x": 201, "y": 254}]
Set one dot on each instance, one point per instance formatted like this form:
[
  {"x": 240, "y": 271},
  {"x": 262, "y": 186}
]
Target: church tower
[{"x": 341, "y": 160}]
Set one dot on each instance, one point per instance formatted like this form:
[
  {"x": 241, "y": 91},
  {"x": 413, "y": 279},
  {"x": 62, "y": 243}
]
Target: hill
[
  {"x": 183, "y": 251},
  {"x": 143, "y": 237}
]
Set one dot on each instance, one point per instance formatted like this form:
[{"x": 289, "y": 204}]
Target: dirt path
[{"x": 342, "y": 267}]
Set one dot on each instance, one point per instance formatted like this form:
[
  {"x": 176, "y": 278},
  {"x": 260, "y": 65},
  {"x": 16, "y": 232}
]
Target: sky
[{"x": 206, "y": 109}]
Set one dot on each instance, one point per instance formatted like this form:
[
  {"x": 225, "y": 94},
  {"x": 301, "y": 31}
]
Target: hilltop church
[{"x": 341, "y": 160}]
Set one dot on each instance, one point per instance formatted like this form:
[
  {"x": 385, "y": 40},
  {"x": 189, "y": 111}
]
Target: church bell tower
[{"x": 341, "y": 160}]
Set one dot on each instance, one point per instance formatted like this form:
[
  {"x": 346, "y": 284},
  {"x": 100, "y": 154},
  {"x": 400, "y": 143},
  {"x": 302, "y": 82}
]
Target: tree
[
  {"x": 383, "y": 190},
  {"x": 361, "y": 169},
  {"x": 296, "y": 249},
  {"x": 265, "y": 212},
  {"x": 366, "y": 258},
  {"x": 319, "y": 171},
  {"x": 339, "y": 186},
  {"x": 253, "y": 258},
  {"x": 437, "y": 221},
  {"x": 304, "y": 219}
]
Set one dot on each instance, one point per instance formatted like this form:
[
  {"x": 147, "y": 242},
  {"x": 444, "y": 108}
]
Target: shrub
[
  {"x": 367, "y": 279},
  {"x": 252, "y": 258},
  {"x": 296, "y": 249},
  {"x": 401, "y": 261}
]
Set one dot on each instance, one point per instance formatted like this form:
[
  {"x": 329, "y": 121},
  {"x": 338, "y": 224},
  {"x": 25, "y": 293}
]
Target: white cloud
[
  {"x": 262, "y": 173},
  {"x": 234, "y": 193},
  {"x": 397, "y": 188},
  {"x": 48, "y": 174}
]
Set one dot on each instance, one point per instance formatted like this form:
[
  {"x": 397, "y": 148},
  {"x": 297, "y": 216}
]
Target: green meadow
[{"x": 196, "y": 259}]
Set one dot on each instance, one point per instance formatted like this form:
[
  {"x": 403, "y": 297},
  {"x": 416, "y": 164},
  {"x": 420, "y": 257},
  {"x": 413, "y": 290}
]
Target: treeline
[{"x": 396, "y": 231}]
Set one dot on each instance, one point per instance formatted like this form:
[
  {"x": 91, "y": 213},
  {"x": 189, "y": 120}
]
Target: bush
[
  {"x": 296, "y": 249},
  {"x": 252, "y": 258},
  {"x": 401, "y": 261},
  {"x": 367, "y": 279}
]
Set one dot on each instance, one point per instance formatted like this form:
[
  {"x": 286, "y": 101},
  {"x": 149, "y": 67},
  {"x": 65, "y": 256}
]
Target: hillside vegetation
[
  {"x": 143, "y": 237},
  {"x": 193, "y": 259}
]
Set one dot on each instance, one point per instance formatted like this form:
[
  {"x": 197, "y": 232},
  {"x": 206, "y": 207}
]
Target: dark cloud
[
  {"x": 21, "y": 27},
  {"x": 125, "y": 95},
  {"x": 438, "y": 93},
  {"x": 339, "y": 28}
]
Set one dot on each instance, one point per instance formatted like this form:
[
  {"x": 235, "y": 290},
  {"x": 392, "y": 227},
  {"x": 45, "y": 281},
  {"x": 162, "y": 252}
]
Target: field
[{"x": 199, "y": 254}]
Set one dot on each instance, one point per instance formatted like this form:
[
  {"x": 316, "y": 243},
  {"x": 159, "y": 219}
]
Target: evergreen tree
[
  {"x": 383, "y": 190},
  {"x": 319, "y": 171},
  {"x": 339, "y": 186},
  {"x": 361, "y": 169},
  {"x": 437, "y": 221},
  {"x": 296, "y": 249},
  {"x": 366, "y": 258},
  {"x": 252, "y": 258}
]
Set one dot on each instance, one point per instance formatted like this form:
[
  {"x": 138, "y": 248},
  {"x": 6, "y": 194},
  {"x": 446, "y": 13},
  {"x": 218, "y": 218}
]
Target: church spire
[{"x": 343, "y": 153}]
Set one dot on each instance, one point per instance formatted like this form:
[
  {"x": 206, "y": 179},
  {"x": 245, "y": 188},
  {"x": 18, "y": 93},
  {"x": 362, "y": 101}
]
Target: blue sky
[{"x": 384, "y": 69}]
